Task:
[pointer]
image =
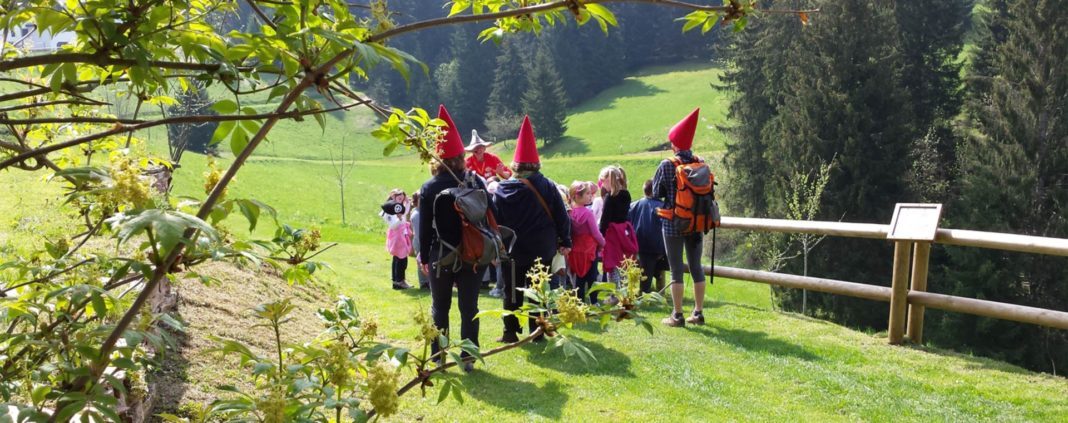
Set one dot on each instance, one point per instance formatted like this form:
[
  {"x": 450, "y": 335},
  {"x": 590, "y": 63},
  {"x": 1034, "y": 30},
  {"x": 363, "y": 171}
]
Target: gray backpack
[{"x": 482, "y": 241}]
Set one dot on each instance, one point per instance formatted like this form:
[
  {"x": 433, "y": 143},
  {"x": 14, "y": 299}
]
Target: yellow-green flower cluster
[
  {"x": 382, "y": 381},
  {"x": 309, "y": 241},
  {"x": 128, "y": 189},
  {"x": 427, "y": 331},
  {"x": 273, "y": 406},
  {"x": 212, "y": 177},
  {"x": 571, "y": 309},
  {"x": 369, "y": 328},
  {"x": 340, "y": 370},
  {"x": 632, "y": 275},
  {"x": 538, "y": 275}
]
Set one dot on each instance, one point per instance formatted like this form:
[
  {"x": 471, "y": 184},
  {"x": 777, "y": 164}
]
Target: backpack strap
[{"x": 541, "y": 200}]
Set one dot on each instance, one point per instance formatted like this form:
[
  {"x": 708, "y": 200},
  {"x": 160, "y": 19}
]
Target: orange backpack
[{"x": 695, "y": 209}]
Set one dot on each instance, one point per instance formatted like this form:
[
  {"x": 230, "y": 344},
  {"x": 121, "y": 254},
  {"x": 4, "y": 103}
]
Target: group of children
[
  {"x": 606, "y": 228},
  {"x": 586, "y": 230}
]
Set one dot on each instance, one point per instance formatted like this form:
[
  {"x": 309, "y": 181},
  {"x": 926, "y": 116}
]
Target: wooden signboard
[{"x": 914, "y": 222}]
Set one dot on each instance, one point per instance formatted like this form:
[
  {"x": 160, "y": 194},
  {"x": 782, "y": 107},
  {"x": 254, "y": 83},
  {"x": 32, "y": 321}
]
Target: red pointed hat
[
  {"x": 526, "y": 149},
  {"x": 451, "y": 146},
  {"x": 681, "y": 135}
]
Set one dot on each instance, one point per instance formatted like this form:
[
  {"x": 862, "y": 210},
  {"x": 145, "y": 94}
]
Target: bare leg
[
  {"x": 676, "y": 296},
  {"x": 698, "y": 297}
]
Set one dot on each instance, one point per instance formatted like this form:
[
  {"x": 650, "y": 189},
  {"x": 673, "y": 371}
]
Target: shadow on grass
[
  {"x": 170, "y": 381},
  {"x": 755, "y": 341},
  {"x": 631, "y": 87},
  {"x": 517, "y": 396},
  {"x": 565, "y": 147},
  {"x": 609, "y": 362}
]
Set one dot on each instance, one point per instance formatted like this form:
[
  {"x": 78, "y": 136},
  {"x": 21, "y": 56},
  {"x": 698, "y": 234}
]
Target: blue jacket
[
  {"x": 647, "y": 225},
  {"x": 537, "y": 235}
]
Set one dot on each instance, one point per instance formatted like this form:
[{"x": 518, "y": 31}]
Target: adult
[
  {"x": 439, "y": 225},
  {"x": 484, "y": 163},
  {"x": 649, "y": 229},
  {"x": 424, "y": 279},
  {"x": 529, "y": 204},
  {"x": 675, "y": 240}
]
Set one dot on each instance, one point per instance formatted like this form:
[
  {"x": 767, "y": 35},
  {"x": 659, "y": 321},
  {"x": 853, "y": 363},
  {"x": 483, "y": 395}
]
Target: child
[
  {"x": 620, "y": 239},
  {"x": 399, "y": 234},
  {"x": 587, "y": 241},
  {"x": 559, "y": 264}
]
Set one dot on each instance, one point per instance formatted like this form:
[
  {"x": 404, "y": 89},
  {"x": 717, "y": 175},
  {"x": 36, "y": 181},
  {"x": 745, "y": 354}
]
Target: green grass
[
  {"x": 749, "y": 363},
  {"x": 636, "y": 115}
]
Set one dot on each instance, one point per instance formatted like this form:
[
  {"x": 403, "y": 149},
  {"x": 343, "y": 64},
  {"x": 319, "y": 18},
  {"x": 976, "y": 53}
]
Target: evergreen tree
[
  {"x": 191, "y": 136},
  {"x": 757, "y": 57},
  {"x": 839, "y": 91},
  {"x": 545, "y": 100},
  {"x": 932, "y": 35},
  {"x": 474, "y": 69},
  {"x": 589, "y": 61},
  {"x": 1014, "y": 170},
  {"x": 506, "y": 93}
]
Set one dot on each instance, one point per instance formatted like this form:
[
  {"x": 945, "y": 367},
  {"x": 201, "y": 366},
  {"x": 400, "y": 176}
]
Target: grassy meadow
[{"x": 750, "y": 362}]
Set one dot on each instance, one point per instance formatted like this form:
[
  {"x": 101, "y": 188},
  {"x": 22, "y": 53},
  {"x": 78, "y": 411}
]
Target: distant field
[
  {"x": 616, "y": 127},
  {"x": 636, "y": 115}
]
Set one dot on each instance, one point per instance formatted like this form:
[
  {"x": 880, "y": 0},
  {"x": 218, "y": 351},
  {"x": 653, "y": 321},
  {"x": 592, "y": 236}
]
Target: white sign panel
[{"x": 915, "y": 222}]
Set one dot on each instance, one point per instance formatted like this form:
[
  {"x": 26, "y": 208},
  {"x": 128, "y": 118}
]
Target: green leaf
[
  {"x": 171, "y": 418},
  {"x": 459, "y": 6},
  {"x": 39, "y": 393},
  {"x": 222, "y": 131},
  {"x": 100, "y": 307},
  {"x": 238, "y": 140},
  {"x": 445, "y": 387},
  {"x": 251, "y": 209},
  {"x": 167, "y": 226},
  {"x": 225, "y": 106},
  {"x": 709, "y": 23},
  {"x": 457, "y": 394}
]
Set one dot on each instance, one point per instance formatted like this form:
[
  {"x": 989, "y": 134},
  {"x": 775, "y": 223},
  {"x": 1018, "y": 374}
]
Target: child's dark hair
[
  {"x": 648, "y": 187},
  {"x": 415, "y": 198}
]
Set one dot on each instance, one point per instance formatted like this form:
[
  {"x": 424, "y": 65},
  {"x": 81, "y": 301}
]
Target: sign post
[{"x": 912, "y": 224}]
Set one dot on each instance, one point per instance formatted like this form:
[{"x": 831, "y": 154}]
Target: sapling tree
[
  {"x": 79, "y": 313},
  {"x": 803, "y": 203}
]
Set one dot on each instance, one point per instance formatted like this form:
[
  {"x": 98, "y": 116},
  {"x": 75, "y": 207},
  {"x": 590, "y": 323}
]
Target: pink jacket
[
  {"x": 620, "y": 242},
  {"x": 399, "y": 240}
]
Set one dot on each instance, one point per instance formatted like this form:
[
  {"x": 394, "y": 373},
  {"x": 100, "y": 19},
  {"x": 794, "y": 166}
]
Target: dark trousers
[
  {"x": 652, "y": 265},
  {"x": 583, "y": 284},
  {"x": 400, "y": 265},
  {"x": 467, "y": 282},
  {"x": 515, "y": 276}
]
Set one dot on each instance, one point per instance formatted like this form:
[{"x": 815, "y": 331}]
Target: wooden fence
[{"x": 907, "y": 301}]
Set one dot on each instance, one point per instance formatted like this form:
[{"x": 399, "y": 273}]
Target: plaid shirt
[{"x": 664, "y": 186}]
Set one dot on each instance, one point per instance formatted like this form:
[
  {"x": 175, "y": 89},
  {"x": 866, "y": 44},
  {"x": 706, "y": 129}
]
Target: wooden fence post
[
  {"x": 899, "y": 291},
  {"x": 919, "y": 283}
]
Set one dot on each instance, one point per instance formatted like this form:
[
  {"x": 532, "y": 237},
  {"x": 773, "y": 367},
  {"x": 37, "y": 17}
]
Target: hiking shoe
[
  {"x": 496, "y": 293},
  {"x": 675, "y": 321},
  {"x": 468, "y": 366},
  {"x": 697, "y": 318},
  {"x": 401, "y": 285},
  {"x": 612, "y": 300}
]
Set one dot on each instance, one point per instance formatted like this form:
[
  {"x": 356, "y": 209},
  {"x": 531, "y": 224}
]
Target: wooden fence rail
[{"x": 907, "y": 302}]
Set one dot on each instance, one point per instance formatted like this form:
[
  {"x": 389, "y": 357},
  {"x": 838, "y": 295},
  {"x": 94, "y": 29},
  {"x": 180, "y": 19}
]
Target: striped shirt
[{"x": 664, "y": 186}]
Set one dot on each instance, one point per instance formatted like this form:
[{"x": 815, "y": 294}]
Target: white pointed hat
[{"x": 475, "y": 141}]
